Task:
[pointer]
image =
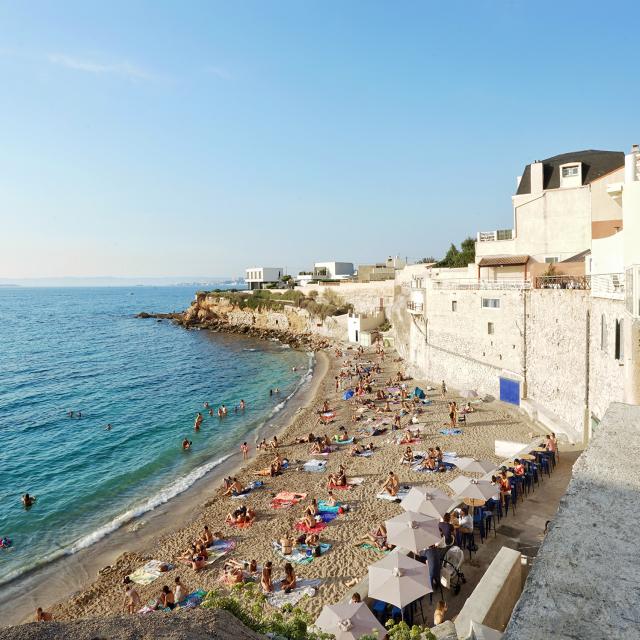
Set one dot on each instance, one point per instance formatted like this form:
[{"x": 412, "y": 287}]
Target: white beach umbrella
[
  {"x": 349, "y": 621},
  {"x": 427, "y": 500},
  {"x": 471, "y": 465},
  {"x": 398, "y": 580},
  {"x": 468, "y": 393},
  {"x": 414, "y": 531},
  {"x": 474, "y": 489}
]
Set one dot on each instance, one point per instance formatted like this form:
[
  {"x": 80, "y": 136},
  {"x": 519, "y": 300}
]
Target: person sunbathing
[
  {"x": 167, "y": 599},
  {"x": 468, "y": 408},
  {"x": 408, "y": 455},
  {"x": 428, "y": 462},
  {"x": 309, "y": 539},
  {"x": 268, "y": 472},
  {"x": 338, "y": 479},
  {"x": 331, "y": 500},
  {"x": 438, "y": 452},
  {"x": 235, "y": 489},
  {"x": 196, "y": 560},
  {"x": 391, "y": 484},
  {"x": 286, "y": 544},
  {"x": 407, "y": 437},
  {"x": 309, "y": 438},
  {"x": 342, "y": 435},
  {"x": 288, "y": 583},
  {"x": 206, "y": 537},
  {"x": 274, "y": 444},
  {"x": 356, "y": 450},
  {"x": 307, "y": 521},
  {"x": 325, "y": 407},
  {"x": 377, "y": 538},
  {"x": 317, "y": 448},
  {"x": 312, "y": 508}
]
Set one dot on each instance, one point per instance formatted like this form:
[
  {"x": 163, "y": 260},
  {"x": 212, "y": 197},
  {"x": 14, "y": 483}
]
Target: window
[
  {"x": 551, "y": 260},
  {"x": 454, "y": 305},
  {"x": 490, "y": 328},
  {"x": 603, "y": 334},
  {"x": 570, "y": 172},
  {"x": 619, "y": 352},
  {"x": 490, "y": 303}
]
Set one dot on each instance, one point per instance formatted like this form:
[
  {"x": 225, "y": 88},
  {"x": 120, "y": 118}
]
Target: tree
[
  {"x": 455, "y": 258},
  {"x": 427, "y": 260}
]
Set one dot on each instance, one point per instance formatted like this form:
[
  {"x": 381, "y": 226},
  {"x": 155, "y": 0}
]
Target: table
[
  {"x": 474, "y": 502},
  {"x": 527, "y": 456}
]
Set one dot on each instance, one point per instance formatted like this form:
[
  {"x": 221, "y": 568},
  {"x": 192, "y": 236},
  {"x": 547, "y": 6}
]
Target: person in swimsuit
[
  {"x": 132, "y": 602},
  {"x": 167, "y": 599},
  {"x": 245, "y": 450},
  {"x": 28, "y": 501},
  {"x": 391, "y": 484},
  {"x": 186, "y": 444},
  {"x": 43, "y": 616},
  {"x": 265, "y": 579}
]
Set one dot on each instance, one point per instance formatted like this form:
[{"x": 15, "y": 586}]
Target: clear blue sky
[{"x": 197, "y": 138}]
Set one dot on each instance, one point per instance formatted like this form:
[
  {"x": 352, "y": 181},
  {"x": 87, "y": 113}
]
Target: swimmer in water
[
  {"x": 242, "y": 405},
  {"x": 206, "y": 405},
  {"x": 198, "y": 422},
  {"x": 28, "y": 501},
  {"x": 70, "y": 414},
  {"x": 186, "y": 444},
  {"x": 108, "y": 428},
  {"x": 211, "y": 412},
  {"x": 79, "y": 414}
]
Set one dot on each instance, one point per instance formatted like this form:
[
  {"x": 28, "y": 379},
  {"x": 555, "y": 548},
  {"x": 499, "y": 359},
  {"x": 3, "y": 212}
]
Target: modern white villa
[{"x": 262, "y": 277}]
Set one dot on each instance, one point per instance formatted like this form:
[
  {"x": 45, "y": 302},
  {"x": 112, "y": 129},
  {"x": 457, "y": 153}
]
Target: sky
[{"x": 199, "y": 138}]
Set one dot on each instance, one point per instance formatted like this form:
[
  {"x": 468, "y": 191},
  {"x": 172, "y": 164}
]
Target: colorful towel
[
  {"x": 299, "y": 554},
  {"x": 149, "y": 572},
  {"x": 305, "y": 588},
  {"x": 323, "y": 507},
  {"x": 326, "y": 516},
  {"x": 286, "y": 499},
  {"x": 342, "y": 487},
  {"x": 451, "y": 432},
  {"x": 319, "y": 526},
  {"x": 193, "y": 600},
  {"x": 372, "y": 547}
]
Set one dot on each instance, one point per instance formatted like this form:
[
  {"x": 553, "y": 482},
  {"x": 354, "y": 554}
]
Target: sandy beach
[{"x": 345, "y": 561}]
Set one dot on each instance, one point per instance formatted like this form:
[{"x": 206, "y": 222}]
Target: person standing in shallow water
[
  {"x": 198, "y": 422},
  {"x": 242, "y": 405},
  {"x": 245, "y": 450}
]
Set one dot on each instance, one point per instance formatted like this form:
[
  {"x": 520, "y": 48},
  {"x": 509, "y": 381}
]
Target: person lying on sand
[
  {"x": 271, "y": 471},
  {"x": 377, "y": 538},
  {"x": 309, "y": 539},
  {"x": 196, "y": 561},
  {"x": 132, "y": 602},
  {"x": 304, "y": 440},
  {"x": 241, "y": 515},
  {"x": 391, "y": 484}
]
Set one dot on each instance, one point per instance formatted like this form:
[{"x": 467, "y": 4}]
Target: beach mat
[
  {"x": 305, "y": 588},
  {"x": 149, "y": 572},
  {"x": 319, "y": 526},
  {"x": 299, "y": 553},
  {"x": 402, "y": 493},
  {"x": 315, "y": 466},
  {"x": 218, "y": 549},
  {"x": 451, "y": 432}
]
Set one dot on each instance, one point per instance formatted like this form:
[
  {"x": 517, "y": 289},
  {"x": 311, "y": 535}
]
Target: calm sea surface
[{"x": 82, "y": 350}]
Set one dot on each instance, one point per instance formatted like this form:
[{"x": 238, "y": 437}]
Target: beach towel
[
  {"x": 419, "y": 393},
  {"x": 349, "y": 441},
  {"x": 451, "y": 432},
  {"x": 323, "y": 507},
  {"x": 365, "y": 454},
  {"x": 219, "y": 548},
  {"x": 315, "y": 466},
  {"x": 317, "y": 528},
  {"x": 286, "y": 499},
  {"x": 347, "y": 395},
  {"x": 328, "y": 516},
  {"x": 342, "y": 487},
  {"x": 193, "y": 599},
  {"x": 240, "y": 525},
  {"x": 299, "y": 554},
  {"x": 402, "y": 492},
  {"x": 372, "y": 547},
  {"x": 252, "y": 486},
  {"x": 412, "y": 441},
  {"x": 305, "y": 588},
  {"x": 149, "y": 572}
]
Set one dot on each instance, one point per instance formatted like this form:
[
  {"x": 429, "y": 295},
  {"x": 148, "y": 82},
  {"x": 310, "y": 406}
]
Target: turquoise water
[{"x": 82, "y": 350}]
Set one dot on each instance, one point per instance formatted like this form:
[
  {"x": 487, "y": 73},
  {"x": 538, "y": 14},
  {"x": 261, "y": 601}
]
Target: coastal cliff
[{"x": 296, "y": 320}]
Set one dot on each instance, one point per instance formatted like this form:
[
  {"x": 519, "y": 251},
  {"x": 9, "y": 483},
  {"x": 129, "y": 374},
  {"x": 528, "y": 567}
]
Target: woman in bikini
[{"x": 265, "y": 578}]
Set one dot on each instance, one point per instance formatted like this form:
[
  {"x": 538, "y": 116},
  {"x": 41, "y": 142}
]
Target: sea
[{"x": 82, "y": 350}]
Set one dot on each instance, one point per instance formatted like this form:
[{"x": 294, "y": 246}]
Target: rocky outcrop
[
  {"x": 187, "y": 624},
  {"x": 291, "y": 325}
]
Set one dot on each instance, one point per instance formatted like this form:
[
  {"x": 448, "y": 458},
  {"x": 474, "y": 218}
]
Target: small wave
[
  {"x": 246, "y": 349},
  {"x": 285, "y": 346},
  {"x": 148, "y": 505}
]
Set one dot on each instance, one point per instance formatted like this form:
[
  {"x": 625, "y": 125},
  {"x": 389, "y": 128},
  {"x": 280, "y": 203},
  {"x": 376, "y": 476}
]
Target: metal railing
[
  {"x": 492, "y": 236},
  {"x": 563, "y": 282},
  {"x": 472, "y": 284},
  {"x": 417, "y": 307}
]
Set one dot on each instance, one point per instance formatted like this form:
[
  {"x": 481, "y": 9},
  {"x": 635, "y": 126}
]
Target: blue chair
[{"x": 545, "y": 465}]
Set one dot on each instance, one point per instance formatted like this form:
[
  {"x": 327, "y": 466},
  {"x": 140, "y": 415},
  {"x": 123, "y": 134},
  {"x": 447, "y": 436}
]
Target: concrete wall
[
  {"x": 603, "y": 207},
  {"x": 584, "y": 581},
  {"x": 494, "y": 597}
]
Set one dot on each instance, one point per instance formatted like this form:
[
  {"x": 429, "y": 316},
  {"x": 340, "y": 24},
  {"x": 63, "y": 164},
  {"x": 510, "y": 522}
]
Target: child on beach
[{"x": 132, "y": 602}]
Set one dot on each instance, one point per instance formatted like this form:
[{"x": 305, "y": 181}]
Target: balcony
[
  {"x": 607, "y": 285},
  {"x": 580, "y": 283},
  {"x": 415, "y": 307},
  {"x": 493, "y": 236},
  {"x": 472, "y": 284}
]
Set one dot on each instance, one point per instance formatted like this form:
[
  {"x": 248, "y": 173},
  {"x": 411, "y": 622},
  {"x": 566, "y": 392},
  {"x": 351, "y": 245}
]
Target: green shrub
[{"x": 247, "y": 603}]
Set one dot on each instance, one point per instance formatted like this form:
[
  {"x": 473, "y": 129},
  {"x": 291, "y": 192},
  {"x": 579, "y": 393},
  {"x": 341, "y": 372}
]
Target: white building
[
  {"x": 261, "y": 277},
  {"x": 333, "y": 270}
]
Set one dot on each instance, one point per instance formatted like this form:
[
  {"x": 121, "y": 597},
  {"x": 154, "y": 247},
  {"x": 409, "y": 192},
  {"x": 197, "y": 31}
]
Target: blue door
[{"x": 510, "y": 391}]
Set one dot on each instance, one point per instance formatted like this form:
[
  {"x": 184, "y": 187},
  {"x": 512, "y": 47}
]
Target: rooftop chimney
[{"x": 537, "y": 177}]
